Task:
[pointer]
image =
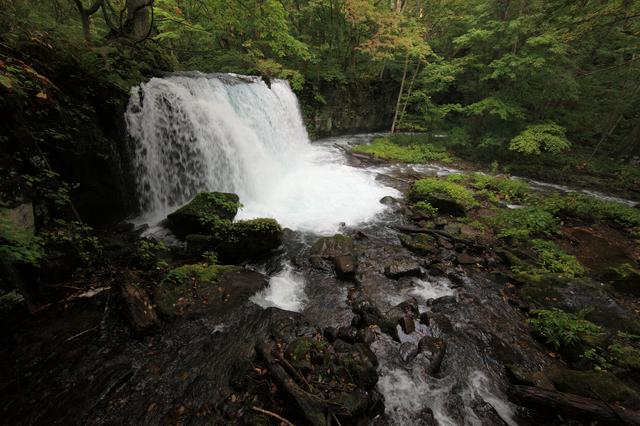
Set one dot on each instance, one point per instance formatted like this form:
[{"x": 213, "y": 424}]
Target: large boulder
[
  {"x": 236, "y": 242},
  {"x": 200, "y": 214},
  {"x": 248, "y": 239},
  {"x": 198, "y": 288}
]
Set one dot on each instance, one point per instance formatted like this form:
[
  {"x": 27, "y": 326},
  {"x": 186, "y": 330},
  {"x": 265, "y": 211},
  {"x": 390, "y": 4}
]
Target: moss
[
  {"x": 246, "y": 228},
  {"x": 181, "y": 285},
  {"x": 386, "y": 149},
  {"x": 207, "y": 213},
  {"x": 625, "y": 356},
  {"x": 539, "y": 293},
  {"x": 429, "y": 188},
  {"x": 299, "y": 348},
  {"x": 426, "y": 209},
  {"x": 624, "y": 278},
  {"x": 421, "y": 244}
]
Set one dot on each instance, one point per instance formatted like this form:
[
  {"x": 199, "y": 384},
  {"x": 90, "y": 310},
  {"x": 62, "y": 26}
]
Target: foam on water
[
  {"x": 222, "y": 132},
  {"x": 285, "y": 291}
]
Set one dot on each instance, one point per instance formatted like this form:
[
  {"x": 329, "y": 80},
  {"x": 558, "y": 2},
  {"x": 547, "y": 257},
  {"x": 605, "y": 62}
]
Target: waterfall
[{"x": 224, "y": 132}]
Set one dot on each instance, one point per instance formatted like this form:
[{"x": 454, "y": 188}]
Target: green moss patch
[
  {"x": 386, "y": 149},
  {"x": 188, "y": 285},
  {"x": 447, "y": 197}
]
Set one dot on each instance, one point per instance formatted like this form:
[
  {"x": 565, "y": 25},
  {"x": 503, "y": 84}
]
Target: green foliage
[
  {"x": 563, "y": 329},
  {"x": 456, "y": 177},
  {"x": 434, "y": 186},
  {"x": 548, "y": 137},
  {"x": 18, "y": 245},
  {"x": 590, "y": 208},
  {"x": 150, "y": 253},
  {"x": 426, "y": 209},
  {"x": 524, "y": 222},
  {"x": 386, "y": 149},
  {"x": 551, "y": 259},
  {"x": 73, "y": 234},
  {"x": 211, "y": 257},
  {"x": 507, "y": 189}
]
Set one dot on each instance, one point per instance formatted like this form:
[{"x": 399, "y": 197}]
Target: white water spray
[{"x": 232, "y": 133}]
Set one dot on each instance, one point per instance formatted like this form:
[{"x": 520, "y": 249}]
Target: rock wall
[
  {"x": 349, "y": 109},
  {"x": 61, "y": 123}
]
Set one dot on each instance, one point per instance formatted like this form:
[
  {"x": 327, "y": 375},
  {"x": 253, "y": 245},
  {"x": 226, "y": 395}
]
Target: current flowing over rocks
[
  {"x": 361, "y": 316},
  {"x": 235, "y": 134}
]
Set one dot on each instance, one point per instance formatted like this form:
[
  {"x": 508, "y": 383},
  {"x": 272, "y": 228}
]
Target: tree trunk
[
  {"x": 86, "y": 25},
  {"x": 413, "y": 80},
  {"x": 404, "y": 77},
  {"x": 137, "y": 25}
]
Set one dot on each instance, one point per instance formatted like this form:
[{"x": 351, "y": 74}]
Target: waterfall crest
[{"x": 224, "y": 132}]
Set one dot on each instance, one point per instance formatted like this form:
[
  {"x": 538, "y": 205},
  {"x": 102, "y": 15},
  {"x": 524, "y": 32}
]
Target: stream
[{"x": 195, "y": 132}]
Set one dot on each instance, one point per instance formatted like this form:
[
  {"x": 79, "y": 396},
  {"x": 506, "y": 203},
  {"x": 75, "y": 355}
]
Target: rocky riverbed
[{"x": 413, "y": 318}]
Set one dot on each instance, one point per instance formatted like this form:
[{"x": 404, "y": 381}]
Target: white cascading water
[{"x": 233, "y": 133}]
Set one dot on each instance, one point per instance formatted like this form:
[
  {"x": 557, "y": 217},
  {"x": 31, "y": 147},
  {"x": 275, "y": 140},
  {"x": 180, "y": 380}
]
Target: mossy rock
[
  {"x": 600, "y": 385},
  {"x": 249, "y": 239},
  {"x": 448, "y": 197},
  {"x": 197, "y": 288},
  {"x": 421, "y": 244},
  {"x": 625, "y": 356},
  {"x": 624, "y": 278},
  {"x": 196, "y": 216}
]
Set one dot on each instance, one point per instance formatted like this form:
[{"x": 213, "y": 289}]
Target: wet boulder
[
  {"x": 403, "y": 267},
  {"x": 199, "y": 288},
  {"x": 421, "y": 244},
  {"x": 432, "y": 349},
  {"x": 248, "y": 239},
  {"x": 402, "y": 315},
  {"x": 367, "y": 312},
  {"x": 345, "y": 266},
  {"x": 197, "y": 216},
  {"x": 388, "y": 200}
]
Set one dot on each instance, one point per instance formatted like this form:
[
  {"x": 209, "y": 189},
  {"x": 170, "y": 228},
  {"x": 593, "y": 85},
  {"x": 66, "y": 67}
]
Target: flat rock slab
[{"x": 403, "y": 267}]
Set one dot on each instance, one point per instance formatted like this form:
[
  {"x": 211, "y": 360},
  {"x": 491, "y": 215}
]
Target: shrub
[
  {"x": 547, "y": 137},
  {"x": 550, "y": 258},
  {"x": 524, "y": 222},
  {"x": 18, "y": 245},
  {"x": 590, "y": 208},
  {"x": 562, "y": 329},
  {"x": 434, "y": 187},
  {"x": 510, "y": 190}
]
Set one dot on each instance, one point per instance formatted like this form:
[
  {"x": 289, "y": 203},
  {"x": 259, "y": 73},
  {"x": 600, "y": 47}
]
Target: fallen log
[{"x": 574, "y": 406}]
